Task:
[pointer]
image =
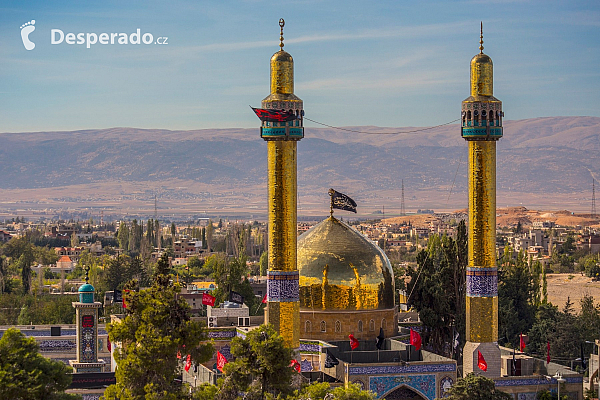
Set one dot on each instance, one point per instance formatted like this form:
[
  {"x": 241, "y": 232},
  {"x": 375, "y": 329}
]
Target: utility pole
[
  {"x": 593, "y": 198},
  {"x": 402, "y": 209}
]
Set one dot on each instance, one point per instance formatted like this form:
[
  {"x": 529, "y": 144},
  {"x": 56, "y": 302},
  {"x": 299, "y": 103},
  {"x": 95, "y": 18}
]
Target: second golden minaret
[
  {"x": 283, "y": 307},
  {"x": 481, "y": 126}
]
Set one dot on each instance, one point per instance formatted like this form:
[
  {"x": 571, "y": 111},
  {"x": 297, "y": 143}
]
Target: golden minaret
[
  {"x": 482, "y": 126},
  {"x": 283, "y": 307}
]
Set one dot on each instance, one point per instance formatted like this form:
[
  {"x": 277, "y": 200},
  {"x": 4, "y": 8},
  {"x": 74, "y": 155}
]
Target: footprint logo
[{"x": 26, "y": 29}]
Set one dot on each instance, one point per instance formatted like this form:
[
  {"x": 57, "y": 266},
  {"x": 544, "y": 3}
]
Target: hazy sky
[{"x": 385, "y": 63}]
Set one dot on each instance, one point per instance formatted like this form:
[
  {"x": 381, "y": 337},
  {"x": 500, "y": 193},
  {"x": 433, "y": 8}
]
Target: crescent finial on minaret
[
  {"x": 281, "y": 25},
  {"x": 480, "y": 39}
]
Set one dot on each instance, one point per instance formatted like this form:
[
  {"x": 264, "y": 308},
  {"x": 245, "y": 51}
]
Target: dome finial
[
  {"x": 87, "y": 274},
  {"x": 481, "y": 39},
  {"x": 281, "y": 25}
]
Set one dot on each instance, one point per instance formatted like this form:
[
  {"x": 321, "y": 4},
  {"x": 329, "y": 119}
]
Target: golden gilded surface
[
  {"x": 282, "y": 205},
  {"x": 482, "y": 319},
  {"x": 282, "y": 73},
  {"x": 482, "y": 204},
  {"x": 482, "y": 76},
  {"x": 285, "y": 318},
  {"x": 342, "y": 270},
  {"x": 482, "y": 312}
]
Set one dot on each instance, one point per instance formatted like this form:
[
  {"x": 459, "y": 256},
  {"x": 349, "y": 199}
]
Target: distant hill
[{"x": 540, "y": 157}]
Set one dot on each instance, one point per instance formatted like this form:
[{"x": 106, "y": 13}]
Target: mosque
[{"x": 332, "y": 282}]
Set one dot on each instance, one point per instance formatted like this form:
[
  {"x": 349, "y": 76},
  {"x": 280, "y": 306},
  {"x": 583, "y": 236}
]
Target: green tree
[
  {"x": 156, "y": 327},
  {"x": 173, "y": 232},
  {"x": 568, "y": 245},
  {"x": 516, "y": 298},
  {"x": 264, "y": 263},
  {"x": 115, "y": 273},
  {"x": 437, "y": 288},
  {"x": 25, "y": 262},
  {"x": 261, "y": 365},
  {"x": 26, "y": 374},
  {"x": 210, "y": 232},
  {"x": 123, "y": 236},
  {"x": 318, "y": 391},
  {"x": 44, "y": 255},
  {"x": 476, "y": 387},
  {"x": 559, "y": 327}
]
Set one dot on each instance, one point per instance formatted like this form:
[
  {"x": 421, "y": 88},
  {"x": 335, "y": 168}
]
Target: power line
[{"x": 381, "y": 133}]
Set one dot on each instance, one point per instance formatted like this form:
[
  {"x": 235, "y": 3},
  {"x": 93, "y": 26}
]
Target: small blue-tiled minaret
[{"x": 87, "y": 330}]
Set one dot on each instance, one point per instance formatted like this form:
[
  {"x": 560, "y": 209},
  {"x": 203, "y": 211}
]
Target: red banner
[
  {"x": 481, "y": 361},
  {"x": 522, "y": 343},
  {"x": 296, "y": 365},
  {"x": 208, "y": 300},
  {"x": 353, "y": 342},
  {"x": 415, "y": 339},
  {"x": 221, "y": 361},
  {"x": 188, "y": 363}
]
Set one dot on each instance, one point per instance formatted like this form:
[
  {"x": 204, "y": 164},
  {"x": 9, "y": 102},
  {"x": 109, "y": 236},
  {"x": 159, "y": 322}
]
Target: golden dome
[
  {"x": 282, "y": 56},
  {"x": 340, "y": 269}
]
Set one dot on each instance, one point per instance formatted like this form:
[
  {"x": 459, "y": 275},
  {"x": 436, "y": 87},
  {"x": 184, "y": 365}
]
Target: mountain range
[{"x": 542, "y": 162}]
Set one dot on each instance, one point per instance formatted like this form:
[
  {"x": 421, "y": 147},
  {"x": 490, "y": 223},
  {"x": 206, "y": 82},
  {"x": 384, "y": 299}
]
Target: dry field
[{"x": 560, "y": 287}]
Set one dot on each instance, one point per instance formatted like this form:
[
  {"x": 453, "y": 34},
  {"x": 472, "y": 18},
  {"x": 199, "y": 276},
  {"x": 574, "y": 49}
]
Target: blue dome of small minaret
[{"x": 86, "y": 291}]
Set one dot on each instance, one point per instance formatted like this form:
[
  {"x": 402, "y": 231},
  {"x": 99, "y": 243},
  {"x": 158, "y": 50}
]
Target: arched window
[
  {"x": 372, "y": 325},
  {"x": 338, "y": 326},
  {"x": 383, "y": 324},
  {"x": 323, "y": 326},
  {"x": 307, "y": 327},
  {"x": 360, "y": 326},
  {"x": 469, "y": 121}
]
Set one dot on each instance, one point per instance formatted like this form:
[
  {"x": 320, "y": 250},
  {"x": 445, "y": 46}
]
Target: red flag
[
  {"x": 481, "y": 361},
  {"x": 353, "y": 341},
  {"x": 125, "y": 304},
  {"x": 221, "y": 361},
  {"x": 188, "y": 363},
  {"x": 548, "y": 353},
  {"x": 108, "y": 345},
  {"x": 178, "y": 354},
  {"x": 296, "y": 365},
  {"x": 264, "y": 300},
  {"x": 274, "y": 115},
  {"x": 415, "y": 339},
  {"x": 522, "y": 344},
  {"x": 208, "y": 300}
]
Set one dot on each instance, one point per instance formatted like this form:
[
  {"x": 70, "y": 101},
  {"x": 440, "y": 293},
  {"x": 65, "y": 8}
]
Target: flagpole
[{"x": 331, "y": 202}]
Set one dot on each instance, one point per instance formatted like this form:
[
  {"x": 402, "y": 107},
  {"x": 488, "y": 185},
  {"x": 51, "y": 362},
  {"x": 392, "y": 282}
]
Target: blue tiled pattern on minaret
[
  {"x": 482, "y": 282},
  {"x": 283, "y": 286}
]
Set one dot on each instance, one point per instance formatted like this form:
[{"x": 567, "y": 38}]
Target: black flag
[
  {"x": 235, "y": 297},
  {"x": 380, "y": 339},
  {"x": 341, "y": 201},
  {"x": 330, "y": 360},
  {"x": 118, "y": 296}
]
